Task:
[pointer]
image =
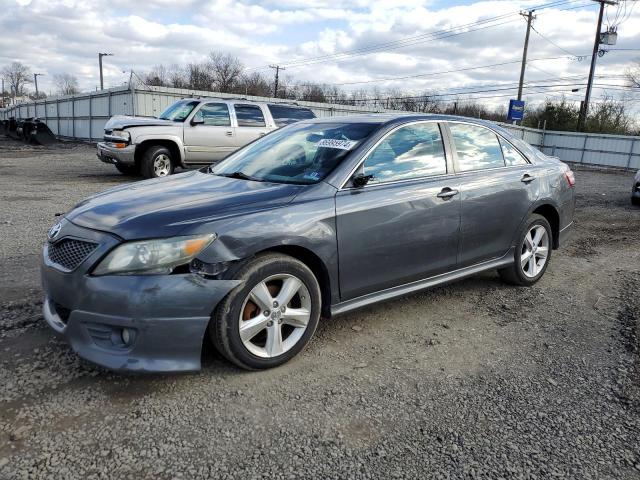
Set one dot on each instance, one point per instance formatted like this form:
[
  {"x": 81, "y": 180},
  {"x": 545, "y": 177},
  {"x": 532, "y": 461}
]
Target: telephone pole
[
  {"x": 35, "y": 80},
  {"x": 530, "y": 17},
  {"x": 584, "y": 107},
  {"x": 275, "y": 88},
  {"x": 100, "y": 55}
]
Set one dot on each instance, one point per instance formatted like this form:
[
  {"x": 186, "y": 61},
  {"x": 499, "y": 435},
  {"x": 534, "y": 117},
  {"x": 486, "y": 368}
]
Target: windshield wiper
[{"x": 240, "y": 175}]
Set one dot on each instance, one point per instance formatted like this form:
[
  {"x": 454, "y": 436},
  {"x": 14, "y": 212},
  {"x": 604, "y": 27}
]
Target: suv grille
[{"x": 70, "y": 253}]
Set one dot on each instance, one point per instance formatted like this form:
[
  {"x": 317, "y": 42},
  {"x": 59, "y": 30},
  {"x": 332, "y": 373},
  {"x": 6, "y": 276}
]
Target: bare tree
[
  {"x": 17, "y": 76},
  {"x": 226, "y": 71},
  {"x": 66, "y": 84},
  {"x": 157, "y": 77},
  {"x": 633, "y": 76},
  {"x": 254, "y": 84}
]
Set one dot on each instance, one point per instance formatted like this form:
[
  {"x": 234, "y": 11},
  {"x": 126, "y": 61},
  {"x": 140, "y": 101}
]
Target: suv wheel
[
  {"x": 157, "y": 162},
  {"x": 271, "y": 316},
  {"x": 533, "y": 252},
  {"x": 128, "y": 169}
]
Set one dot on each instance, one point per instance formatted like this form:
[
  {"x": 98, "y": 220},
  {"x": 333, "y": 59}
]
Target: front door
[
  {"x": 497, "y": 186},
  {"x": 403, "y": 225},
  {"x": 210, "y": 137}
]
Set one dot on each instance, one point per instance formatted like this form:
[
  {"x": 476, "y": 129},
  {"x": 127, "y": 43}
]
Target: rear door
[
  {"x": 251, "y": 123},
  {"x": 403, "y": 225},
  {"x": 497, "y": 186},
  {"x": 211, "y": 137}
]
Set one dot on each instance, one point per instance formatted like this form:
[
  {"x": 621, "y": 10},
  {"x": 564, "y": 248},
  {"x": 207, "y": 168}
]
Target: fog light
[{"x": 127, "y": 336}]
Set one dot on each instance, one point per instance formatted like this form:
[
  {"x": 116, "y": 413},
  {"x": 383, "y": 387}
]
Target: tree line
[{"x": 225, "y": 73}]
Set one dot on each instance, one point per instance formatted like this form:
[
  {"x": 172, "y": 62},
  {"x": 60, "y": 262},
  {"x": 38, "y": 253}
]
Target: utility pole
[
  {"x": 35, "y": 80},
  {"x": 275, "y": 88},
  {"x": 3, "y": 105},
  {"x": 584, "y": 108},
  {"x": 100, "y": 55},
  {"x": 530, "y": 17}
]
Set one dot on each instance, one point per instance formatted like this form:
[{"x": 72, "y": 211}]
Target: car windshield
[
  {"x": 179, "y": 111},
  {"x": 302, "y": 153}
]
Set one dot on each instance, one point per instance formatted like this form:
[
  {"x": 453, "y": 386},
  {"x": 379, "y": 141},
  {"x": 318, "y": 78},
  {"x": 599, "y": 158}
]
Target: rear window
[
  {"x": 249, "y": 116},
  {"x": 284, "y": 115}
]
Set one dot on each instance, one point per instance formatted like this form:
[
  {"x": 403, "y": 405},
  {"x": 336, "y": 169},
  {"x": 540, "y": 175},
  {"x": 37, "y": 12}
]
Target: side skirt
[{"x": 418, "y": 285}]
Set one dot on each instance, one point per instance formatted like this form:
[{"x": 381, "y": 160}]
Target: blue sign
[{"x": 516, "y": 110}]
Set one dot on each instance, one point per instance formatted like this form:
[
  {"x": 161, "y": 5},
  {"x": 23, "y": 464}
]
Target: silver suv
[{"x": 192, "y": 131}]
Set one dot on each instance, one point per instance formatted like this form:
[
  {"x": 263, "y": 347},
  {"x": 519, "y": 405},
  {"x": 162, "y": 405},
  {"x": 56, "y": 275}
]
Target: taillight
[{"x": 571, "y": 178}]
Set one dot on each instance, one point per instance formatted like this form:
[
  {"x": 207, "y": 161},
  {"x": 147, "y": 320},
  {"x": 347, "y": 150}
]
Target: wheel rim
[
  {"x": 535, "y": 251},
  {"x": 275, "y": 315},
  {"x": 162, "y": 165}
]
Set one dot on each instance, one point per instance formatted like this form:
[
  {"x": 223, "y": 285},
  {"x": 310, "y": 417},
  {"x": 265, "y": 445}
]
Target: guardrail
[{"x": 83, "y": 117}]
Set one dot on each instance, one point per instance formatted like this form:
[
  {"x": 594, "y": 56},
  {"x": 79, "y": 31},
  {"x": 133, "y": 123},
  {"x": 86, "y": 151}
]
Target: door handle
[
  {"x": 262, "y": 134},
  {"x": 229, "y": 133},
  {"x": 446, "y": 193},
  {"x": 526, "y": 178}
]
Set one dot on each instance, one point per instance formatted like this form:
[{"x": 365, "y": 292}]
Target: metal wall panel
[{"x": 83, "y": 116}]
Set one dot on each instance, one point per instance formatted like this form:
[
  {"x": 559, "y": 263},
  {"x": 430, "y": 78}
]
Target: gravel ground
[{"x": 476, "y": 379}]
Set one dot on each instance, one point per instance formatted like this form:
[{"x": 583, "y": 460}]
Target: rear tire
[
  {"x": 157, "y": 162},
  {"x": 531, "y": 258},
  {"x": 128, "y": 169},
  {"x": 635, "y": 201},
  {"x": 271, "y": 316}
]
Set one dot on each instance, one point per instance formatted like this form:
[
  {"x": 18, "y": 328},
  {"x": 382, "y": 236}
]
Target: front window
[
  {"x": 179, "y": 111},
  {"x": 214, "y": 114},
  {"x": 412, "y": 151},
  {"x": 302, "y": 153}
]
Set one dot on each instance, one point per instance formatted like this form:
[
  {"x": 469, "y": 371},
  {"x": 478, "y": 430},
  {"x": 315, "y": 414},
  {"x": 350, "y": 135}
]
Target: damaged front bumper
[{"x": 144, "y": 323}]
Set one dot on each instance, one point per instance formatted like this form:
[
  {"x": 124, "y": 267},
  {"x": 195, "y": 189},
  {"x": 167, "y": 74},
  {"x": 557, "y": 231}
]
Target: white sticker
[{"x": 340, "y": 144}]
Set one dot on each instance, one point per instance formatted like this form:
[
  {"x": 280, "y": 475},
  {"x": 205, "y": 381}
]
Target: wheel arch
[
  {"x": 551, "y": 213},
  {"x": 175, "y": 149},
  {"x": 315, "y": 264}
]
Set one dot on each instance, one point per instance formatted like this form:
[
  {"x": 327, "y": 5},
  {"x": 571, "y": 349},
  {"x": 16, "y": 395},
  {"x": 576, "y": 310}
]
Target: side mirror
[
  {"x": 197, "y": 121},
  {"x": 360, "y": 180}
]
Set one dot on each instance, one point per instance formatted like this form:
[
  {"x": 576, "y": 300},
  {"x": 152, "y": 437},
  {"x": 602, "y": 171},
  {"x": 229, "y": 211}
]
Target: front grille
[{"x": 69, "y": 253}]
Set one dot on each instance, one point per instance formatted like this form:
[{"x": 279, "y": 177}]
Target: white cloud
[{"x": 56, "y": 36}]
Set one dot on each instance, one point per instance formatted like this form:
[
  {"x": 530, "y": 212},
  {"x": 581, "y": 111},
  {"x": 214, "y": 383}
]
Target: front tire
[
  {"x": 157, "y": 162},
  {"x": 533, "y": 253},
  {"x": 271, "y": 316},
  {"x": 635, "y": 201}
]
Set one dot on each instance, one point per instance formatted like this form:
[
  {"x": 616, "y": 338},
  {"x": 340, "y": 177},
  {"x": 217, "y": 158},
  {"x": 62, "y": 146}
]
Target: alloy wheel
[
  {"x": 162, "y": 165},
  {"x": 535, "y": 250},
  {"x": 275, "y": 315}
]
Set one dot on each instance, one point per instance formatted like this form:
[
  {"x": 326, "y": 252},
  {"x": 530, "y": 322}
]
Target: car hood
[
  {"x": 124, "y": 121},
  {"x": 167, "y": 206}
]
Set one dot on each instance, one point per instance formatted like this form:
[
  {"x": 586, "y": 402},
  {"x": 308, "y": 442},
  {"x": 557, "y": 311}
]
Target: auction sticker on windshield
[{"x": 333, "y": 143}]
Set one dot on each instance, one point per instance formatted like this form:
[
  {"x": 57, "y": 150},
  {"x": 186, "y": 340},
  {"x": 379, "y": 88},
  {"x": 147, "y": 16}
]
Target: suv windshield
[
  {"x": 302, "y": 153},
  {"x": 179, "y": 111}
]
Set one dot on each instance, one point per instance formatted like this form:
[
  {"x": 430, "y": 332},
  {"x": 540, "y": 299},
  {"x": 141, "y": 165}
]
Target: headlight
[
  {"x": 153, "y": 257},
  {"x": 122, "y": 134}
]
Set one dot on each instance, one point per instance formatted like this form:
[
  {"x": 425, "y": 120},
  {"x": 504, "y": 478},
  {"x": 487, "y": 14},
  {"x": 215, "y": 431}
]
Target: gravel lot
[{"x": 476, "y": 379}]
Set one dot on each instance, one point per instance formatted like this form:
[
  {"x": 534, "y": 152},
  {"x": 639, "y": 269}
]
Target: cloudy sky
[{"x": 383, "y": 40}]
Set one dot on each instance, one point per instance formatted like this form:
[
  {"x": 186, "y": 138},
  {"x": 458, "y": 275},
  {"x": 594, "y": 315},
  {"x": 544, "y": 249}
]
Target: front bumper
[
  {"x": 166, "y": 315},
  {"x": 107, "y": 153}
]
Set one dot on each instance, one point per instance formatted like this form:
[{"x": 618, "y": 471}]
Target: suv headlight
[
  {"x": 121, "y": 134},
  {"x": 152, "y": 257}
]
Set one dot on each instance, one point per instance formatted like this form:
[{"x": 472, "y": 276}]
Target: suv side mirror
[
  {"x": 360, "y": 180},
  {"x": 197, "y": 120}
]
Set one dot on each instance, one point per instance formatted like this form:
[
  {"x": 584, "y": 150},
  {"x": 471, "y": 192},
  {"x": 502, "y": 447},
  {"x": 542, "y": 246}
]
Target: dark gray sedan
[{"x": 316, "y": 219}]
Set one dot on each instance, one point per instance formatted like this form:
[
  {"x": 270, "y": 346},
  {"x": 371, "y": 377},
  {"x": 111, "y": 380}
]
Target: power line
[
  {"x": 434, "y": 74},
  {"x": 414, "y": 40},
  {"x": 579, "y": 57}
]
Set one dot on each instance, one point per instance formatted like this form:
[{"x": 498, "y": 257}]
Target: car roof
[
  {"x": 243, "y": 100},
  {"x": 397, "y": 118}
]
